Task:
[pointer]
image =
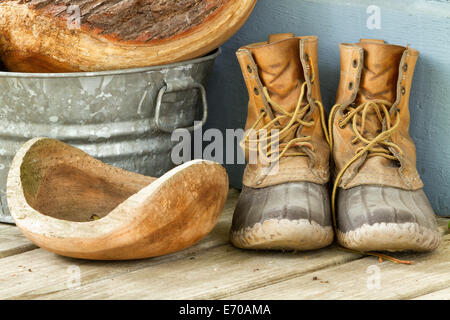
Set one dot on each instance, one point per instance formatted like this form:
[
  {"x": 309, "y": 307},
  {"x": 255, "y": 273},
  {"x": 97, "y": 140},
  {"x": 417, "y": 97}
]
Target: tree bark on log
[{"x": 94, "y": 35}]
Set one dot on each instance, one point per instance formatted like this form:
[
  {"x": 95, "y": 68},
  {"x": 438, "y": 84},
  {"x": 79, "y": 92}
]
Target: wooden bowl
[
  {"x": 55, "y": 36},
  {"x": 69, "y": 203}
]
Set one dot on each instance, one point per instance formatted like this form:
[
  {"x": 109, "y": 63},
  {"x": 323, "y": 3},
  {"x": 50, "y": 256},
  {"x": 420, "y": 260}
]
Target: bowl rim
[{"x": 210, "y": 56}]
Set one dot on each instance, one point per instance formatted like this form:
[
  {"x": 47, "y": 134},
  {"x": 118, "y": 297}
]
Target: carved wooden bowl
[{"x": 69, "y": 203}]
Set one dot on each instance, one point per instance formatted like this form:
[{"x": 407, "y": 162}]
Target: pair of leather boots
[{"x": 374, "y": 200}]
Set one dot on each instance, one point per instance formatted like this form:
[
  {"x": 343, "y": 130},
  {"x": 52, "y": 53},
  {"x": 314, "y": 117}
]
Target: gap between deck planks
[
  {"x": 211, "y": 269},
  {"x": 12, "y": 241}
]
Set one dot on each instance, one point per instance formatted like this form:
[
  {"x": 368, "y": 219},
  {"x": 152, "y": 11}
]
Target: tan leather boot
[
  {"x": 284, "y": 203},
  {"x": 380, "y": 201}
]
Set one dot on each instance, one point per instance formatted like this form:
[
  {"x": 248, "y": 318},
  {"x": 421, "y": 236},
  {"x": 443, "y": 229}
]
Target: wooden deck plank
[
  {"x": 50, "y": 272},
  {"x": 12, "y": 241},
  {"x": 443, "y": 294},
  {"x": 355, "y": 280},
  {"x": 213, "y": 274},
  {"x": 213, "y": 269}
]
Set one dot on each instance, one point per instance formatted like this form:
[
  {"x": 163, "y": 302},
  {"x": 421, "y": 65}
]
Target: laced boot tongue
[
  {"x": 378, "y": 78},
  {"x": 380, "y": 73},
  {"x": 280, "y": 69}
]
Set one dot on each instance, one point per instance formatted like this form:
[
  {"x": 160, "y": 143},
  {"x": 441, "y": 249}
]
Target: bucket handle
[{"x": 180, "y": 85}]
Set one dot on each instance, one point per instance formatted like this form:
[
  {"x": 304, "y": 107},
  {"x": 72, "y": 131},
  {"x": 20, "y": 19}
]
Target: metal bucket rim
[{"x": 210, "y": 56}]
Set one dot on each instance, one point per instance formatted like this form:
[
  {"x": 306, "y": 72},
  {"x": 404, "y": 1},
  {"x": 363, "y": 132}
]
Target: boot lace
[{"x": 265, "y": 141}]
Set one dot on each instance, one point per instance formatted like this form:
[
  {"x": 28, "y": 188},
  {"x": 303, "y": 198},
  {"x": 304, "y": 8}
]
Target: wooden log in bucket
[{"x": 96, "y": 35}]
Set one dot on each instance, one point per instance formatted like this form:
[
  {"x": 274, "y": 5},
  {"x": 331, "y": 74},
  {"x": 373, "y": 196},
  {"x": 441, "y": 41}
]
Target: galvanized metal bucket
[{"x": 124, "y": 117}]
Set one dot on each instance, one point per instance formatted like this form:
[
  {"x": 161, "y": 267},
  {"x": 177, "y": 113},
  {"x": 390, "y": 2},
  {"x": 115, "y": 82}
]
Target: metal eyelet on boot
[
  {"x": 403, "y": 90},
  {"x": 355, "y": 63},
  {"x": 256, "y": 91},
  {"x": 350, "y": 85},
  {"x": 249, "y": 69},
  {"x": 405, "y": 67}
]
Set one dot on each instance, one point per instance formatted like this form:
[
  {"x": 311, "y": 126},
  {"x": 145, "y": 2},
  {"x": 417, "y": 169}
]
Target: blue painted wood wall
[{"x": 423, "y": 24}]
